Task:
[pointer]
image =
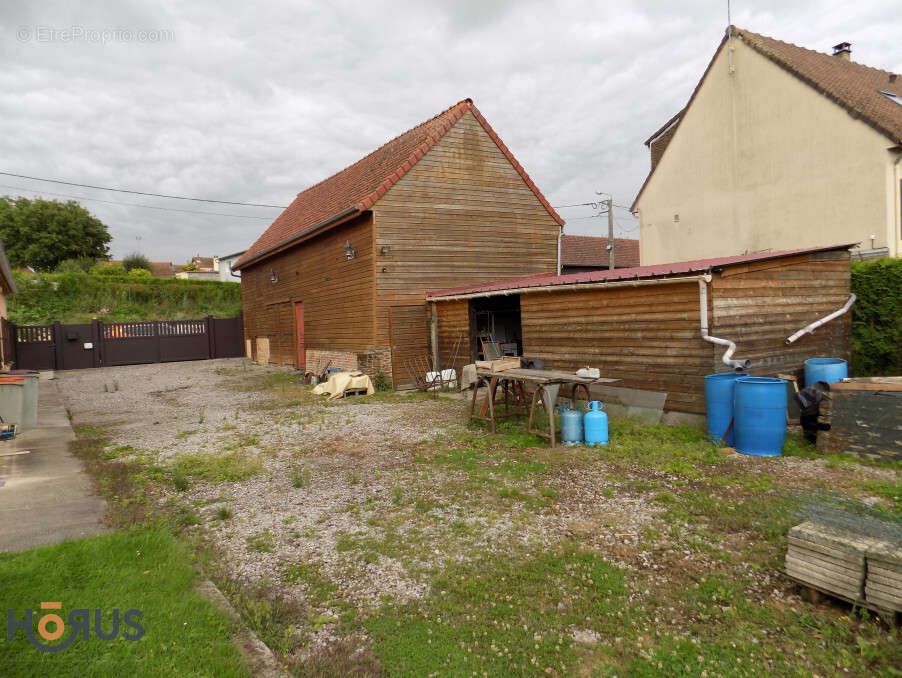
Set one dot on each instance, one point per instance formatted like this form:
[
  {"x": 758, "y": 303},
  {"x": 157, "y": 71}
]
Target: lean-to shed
[{"x": 643, "y": 325}]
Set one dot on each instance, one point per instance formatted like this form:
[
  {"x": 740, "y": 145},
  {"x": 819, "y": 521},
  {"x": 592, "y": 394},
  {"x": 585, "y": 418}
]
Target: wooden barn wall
[
  {"x": 462, "y": 215},
  {"x": 648, "y": 337},
  {"x": 453, "y": 323},
  {"x": 759, "y": 305},
  {"x": 337, "y": 294}
]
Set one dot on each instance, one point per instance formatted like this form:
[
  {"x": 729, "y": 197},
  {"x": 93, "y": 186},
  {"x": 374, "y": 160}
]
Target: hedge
[{"x": 877, "y": 317}]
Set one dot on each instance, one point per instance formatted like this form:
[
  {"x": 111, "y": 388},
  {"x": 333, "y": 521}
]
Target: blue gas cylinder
[
  {"x": 596, "y": 421},
  {"x": 571, "y": 426}
]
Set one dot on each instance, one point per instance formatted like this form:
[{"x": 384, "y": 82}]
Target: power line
[
  {"x": 153, "y": 195},
  {"x": 132, "y": 204},
  {"x": 593, "y": 205}
]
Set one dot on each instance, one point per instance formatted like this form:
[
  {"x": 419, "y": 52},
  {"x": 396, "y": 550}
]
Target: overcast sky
[{"x": 249, "y": 102}]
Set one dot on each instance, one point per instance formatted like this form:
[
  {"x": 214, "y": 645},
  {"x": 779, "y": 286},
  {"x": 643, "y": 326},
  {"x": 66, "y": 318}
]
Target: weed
[
  {"x": 300, "y": 477},
  {"x": 217, "y": 468},
  {"x": 224, "y": 513},
  {"x": 261, "y": 542}
]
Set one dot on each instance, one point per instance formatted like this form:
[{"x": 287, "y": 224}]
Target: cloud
[{"x": 254, "y": 103}]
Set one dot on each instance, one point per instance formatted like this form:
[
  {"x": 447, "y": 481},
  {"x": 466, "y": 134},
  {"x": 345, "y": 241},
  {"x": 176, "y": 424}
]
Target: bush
[
  {"x": 876, "y": 328},
  {"x": 139, "y": 273},
  {"x": 80, "y": 265},
  {"x": 136, "y": 261},
  {"x": 108, "y": 268}
]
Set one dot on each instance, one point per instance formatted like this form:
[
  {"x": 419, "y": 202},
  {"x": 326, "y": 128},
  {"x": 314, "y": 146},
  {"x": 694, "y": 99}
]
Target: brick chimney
[{"x": 843, "y": 51}]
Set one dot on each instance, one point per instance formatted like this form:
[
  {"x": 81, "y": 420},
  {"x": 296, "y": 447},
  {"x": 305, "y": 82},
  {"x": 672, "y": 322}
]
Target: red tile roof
[
  {"x": 853, "y": 86},
  {"x": 636, "y": 273},
  {"x": 589, "y": 250},
  {"x": 359, "y": 186}
]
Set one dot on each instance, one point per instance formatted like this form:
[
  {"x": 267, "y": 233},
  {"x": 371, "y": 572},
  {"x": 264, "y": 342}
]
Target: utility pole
[{"x": 610, "y": 202}]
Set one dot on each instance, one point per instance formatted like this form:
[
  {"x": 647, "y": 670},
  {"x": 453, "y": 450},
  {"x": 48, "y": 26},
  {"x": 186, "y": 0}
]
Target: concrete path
[{"x": 45, "y": 495}]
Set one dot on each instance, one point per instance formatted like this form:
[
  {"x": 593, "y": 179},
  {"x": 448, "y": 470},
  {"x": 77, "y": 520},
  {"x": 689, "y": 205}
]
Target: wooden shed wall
[
  {"x": 462, "y": 215},
  {"x": 759, "y": 305},
  {"x": 337, "y": 294},
  {"x": 649, "y": 337}
]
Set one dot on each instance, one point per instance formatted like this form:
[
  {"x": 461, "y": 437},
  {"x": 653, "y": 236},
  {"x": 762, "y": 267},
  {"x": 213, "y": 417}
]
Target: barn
[
  {"x": 643, "y": 325},
  {"x": 341, "y": 275}
]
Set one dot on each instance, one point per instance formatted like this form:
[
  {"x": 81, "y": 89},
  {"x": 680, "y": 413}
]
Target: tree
[
  {"x": 42, "y": 233},
  {"x": 136, "y": 260}
]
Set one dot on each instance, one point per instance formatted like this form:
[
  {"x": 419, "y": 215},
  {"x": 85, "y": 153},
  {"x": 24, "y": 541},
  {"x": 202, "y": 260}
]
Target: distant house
[
  {"x": 590, "y": 253},
  {"x": 200, "y": 268},
  {"x": 780, "y": 147},
  {"x": 226, "y": 274},
  {"x": 158, "y": 269},
  {"x": 341, "y": 275}
]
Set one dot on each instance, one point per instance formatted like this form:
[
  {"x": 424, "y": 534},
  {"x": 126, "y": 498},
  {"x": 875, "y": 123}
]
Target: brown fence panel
[
  {"x": 75, "y": 347},
  {"x": 130, "y": 343},
  {"x": 228, "y": 338},
  {"x": 35, "y": 347},
  {"x": 183, "y": 340},
  {"x": 7, "y": 342}
]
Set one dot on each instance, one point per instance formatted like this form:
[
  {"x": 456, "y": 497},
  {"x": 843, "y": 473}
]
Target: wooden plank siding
[
  {"x": 337, "y": 294},
  {"x": 462, "y": 215},
  {"x": 454, "y": 322},
  {"x": 648, "y": 337},
  {"x": 408, "y": 329},
  {"x": 758, "y": 308}
]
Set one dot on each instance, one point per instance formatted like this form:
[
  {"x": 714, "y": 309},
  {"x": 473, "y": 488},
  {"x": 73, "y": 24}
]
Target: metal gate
[{"x": 67, "y": 347}]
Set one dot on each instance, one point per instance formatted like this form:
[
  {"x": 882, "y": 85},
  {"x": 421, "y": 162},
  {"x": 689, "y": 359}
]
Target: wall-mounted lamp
[
  {"x": 385, "y": 249},
  {"x": 273, "y": 278},
  {"x": 350, "y": 252}
]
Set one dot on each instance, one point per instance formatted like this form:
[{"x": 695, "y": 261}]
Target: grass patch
[
  {"x": 144, "y": 569},
  {"x": 217, "y": 468},
  {"x": 503, "y": 616}
]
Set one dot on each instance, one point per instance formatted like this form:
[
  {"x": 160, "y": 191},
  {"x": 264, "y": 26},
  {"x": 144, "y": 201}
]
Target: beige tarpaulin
[{"x": 340, "y": 382}]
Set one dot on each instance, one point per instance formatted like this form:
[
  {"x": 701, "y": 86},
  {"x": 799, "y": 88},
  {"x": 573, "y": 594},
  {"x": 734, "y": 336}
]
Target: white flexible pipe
[
  {"x": 727, "y": 357},
  {"x": 808, "y": 329}
]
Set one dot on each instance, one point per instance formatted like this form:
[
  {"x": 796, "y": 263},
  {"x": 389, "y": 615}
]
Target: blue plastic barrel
[
  {"x": 719, "y": 404},
  {"x": 831, "y": 370},
  {"x": 759, "y": 413}
]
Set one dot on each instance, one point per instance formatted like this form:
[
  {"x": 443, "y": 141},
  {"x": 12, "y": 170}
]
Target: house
[
  {"x": 341, "y": 275},
  {"x": 158, "y": 269},
  {"x": 643, "y": 325},
  {"x": 779, "y": 147},
  {"x": 7, "y": 287},
  {"x": 590, "y": 253},
  {"x": 226, "y": 274},
  {"x": 200, "y": 268}
]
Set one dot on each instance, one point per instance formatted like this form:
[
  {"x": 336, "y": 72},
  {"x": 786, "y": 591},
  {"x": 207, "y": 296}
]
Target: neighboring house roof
[
  {"x": 589, "y": 250},
  {"x": 855, "y": 87},
  {"x": 545, "y": 280},
  {"x": 162, "y": 269},
  {"x": 9, "y": 282},
  {"x": 203, "y": 263},
  {"x": 357, "y": 187},
  {"x": 158, "y": 269}
]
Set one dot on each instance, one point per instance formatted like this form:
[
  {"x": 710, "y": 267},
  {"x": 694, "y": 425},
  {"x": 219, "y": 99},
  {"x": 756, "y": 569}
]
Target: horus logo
[{"x": 51, "y": 626}]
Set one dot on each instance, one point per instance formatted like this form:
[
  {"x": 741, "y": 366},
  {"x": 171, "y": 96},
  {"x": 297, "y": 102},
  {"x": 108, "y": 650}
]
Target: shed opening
[{"x": 497, "y": 318}]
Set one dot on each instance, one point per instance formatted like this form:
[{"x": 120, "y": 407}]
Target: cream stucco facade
[{"x": 762, "y": 161}]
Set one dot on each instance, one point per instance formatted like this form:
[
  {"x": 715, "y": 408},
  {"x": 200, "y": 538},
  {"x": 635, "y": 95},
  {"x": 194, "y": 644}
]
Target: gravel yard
[{"x": 353, "y": 511}]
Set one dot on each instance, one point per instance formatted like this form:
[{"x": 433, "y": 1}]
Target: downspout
[
  {"x": 808, "y": 329},
  {"x": 727, "y": 357},
  {"x": 559, "y": 236}
]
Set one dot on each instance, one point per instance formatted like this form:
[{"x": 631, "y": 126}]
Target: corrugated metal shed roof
[{"x": 544, "y": 280}]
